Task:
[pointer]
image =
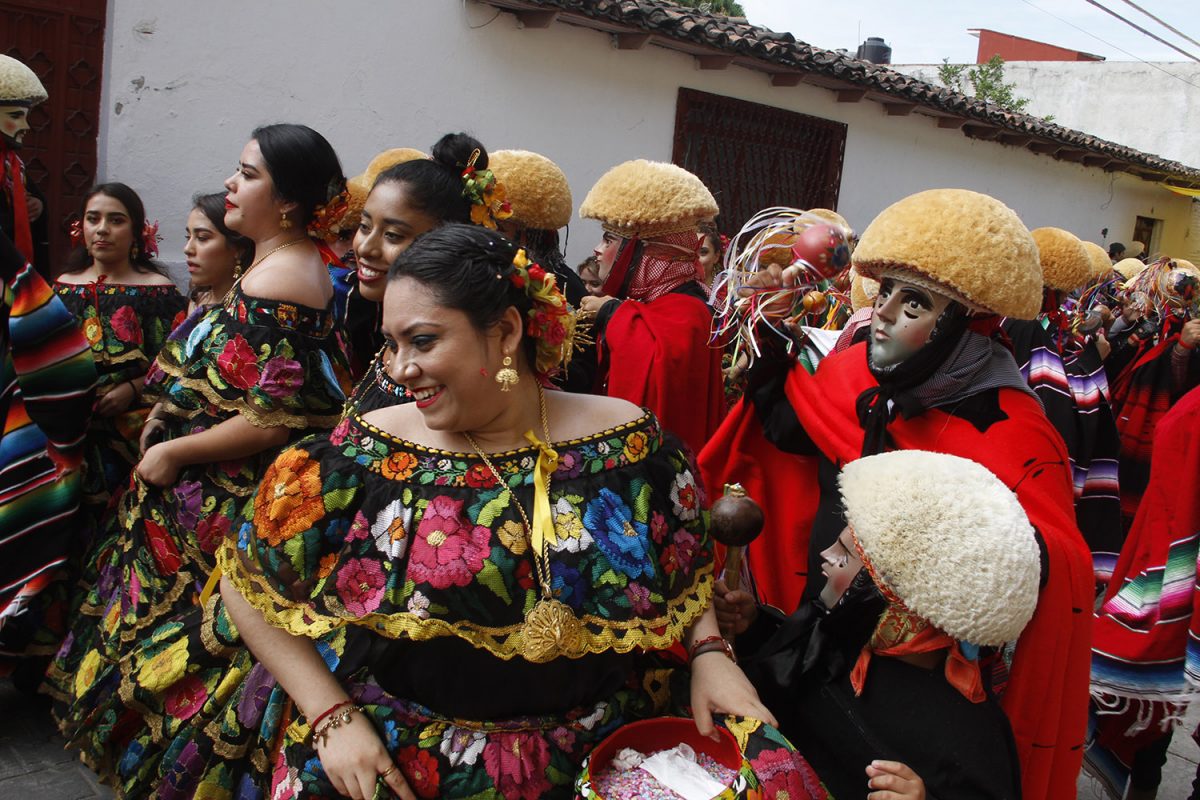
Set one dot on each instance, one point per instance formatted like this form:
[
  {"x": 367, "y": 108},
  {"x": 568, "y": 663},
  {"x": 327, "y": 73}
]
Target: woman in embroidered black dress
[
  {"x": 127, "y": 307},
  {"x": 236, "y": 383},
  {"x": 448, "y": 538},
  {"x": 212, "y": 728}
]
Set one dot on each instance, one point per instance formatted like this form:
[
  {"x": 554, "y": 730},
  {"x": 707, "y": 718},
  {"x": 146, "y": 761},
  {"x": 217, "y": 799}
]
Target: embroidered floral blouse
[
  {"x": 275, "y": 363},
  {"x": 125, "y": 325},
  {"x": 359, "y": 528}
]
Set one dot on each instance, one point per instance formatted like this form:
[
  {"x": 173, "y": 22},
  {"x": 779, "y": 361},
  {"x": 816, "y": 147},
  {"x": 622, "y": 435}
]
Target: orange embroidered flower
[
  {"x": 289, "y": 500},
  {"x": 93, "y": 330},
  {"x": 328, "y": 562},
  {"x": 398, "y": 465},
  {"x": 636, "y": 445}
]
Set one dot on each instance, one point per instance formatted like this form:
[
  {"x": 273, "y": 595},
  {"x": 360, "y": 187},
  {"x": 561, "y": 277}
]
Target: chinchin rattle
[{"x": 737, "y": 520}]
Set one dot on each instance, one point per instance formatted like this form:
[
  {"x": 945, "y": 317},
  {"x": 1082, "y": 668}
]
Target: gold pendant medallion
[{"x": 551, "y": 630}]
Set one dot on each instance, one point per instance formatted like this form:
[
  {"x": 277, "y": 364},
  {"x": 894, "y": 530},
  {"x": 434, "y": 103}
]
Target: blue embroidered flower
[
  {"x": 567, "y": 584},
  {"x": 625, "y": 542},
  {"x": 198, "y": 335}
]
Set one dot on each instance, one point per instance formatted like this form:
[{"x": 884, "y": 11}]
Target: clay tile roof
[{"x": 707, "y": 36}]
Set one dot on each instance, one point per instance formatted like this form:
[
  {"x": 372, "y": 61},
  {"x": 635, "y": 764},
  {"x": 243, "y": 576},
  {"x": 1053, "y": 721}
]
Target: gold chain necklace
[
  {"x": 551, "y": 628},
  {"x": 238, "y": 278}
]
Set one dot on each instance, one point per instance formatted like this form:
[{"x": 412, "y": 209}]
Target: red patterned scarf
[{"x": 12, "y": 178}]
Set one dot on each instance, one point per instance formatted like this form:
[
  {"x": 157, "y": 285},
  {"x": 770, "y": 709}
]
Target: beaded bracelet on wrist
[{"x": 334, "y": 722}]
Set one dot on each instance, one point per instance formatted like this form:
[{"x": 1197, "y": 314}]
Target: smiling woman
[{"x": 492, "y": 507}]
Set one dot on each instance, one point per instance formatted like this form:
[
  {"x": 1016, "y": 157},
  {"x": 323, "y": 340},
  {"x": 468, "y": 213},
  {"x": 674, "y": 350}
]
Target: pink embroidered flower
[
  {"x": 238, "y": 363},
  {"x": 360, "y": 586},
  {"x": 338, "y": 434},
  {"x": 639, "y": 597},
  {"x": 281, "y": 377},
  {"x": 658, "y": 527},
  {"x": 517, "y": 763},
  {"x": 359, "y": 528},
  {"x": 211, "y": 531},
  {"x": 786, "y": 774},
  {"x": 447, "y": 550},
  {"x": 686, "y": 547},
  {"x": 563, "y": 738},
  {"x": 125, "y": 325},
  {"x": 186, "y": 697}
]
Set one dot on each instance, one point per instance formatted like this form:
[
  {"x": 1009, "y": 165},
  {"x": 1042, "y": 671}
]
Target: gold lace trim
[{"x": 598, "y": 635}]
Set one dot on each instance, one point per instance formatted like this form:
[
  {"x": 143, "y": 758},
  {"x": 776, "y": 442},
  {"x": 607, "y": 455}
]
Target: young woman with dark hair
[
  {"x": 230, "y": 743},
  {"x": 235, "y": 384},
  {"x": 215, "y": 254},
  {"x": 127, "y": 307},
  {"x": 408, "y": 195}
]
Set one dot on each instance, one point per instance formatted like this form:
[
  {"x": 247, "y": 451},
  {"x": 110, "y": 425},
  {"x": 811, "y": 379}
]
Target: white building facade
[{"x": 184, "y": 84}]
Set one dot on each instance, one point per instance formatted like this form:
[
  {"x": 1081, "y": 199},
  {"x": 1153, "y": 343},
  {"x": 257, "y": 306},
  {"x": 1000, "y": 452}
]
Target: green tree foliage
[
  {"x": 729, "y": 8},
  {"x": 986, "y": 82}
]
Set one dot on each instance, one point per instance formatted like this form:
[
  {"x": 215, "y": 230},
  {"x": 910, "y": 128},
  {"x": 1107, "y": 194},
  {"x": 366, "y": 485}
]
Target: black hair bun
[{"x": 454, "y": 150}]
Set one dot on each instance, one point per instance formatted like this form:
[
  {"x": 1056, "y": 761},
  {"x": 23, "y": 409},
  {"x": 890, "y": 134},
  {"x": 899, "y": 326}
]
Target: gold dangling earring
[
  {"x": 133, "y": 253},
  {"x": 237, "y": 268},
  {"x": 284, "y": 223},
  {"x": 506, "y": 376}
]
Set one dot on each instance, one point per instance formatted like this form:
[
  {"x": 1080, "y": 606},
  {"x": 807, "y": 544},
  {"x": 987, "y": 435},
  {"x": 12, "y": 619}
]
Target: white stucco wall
[
  {"x": 1129, "y": 102},
  {"x": 185, "y": 84}
]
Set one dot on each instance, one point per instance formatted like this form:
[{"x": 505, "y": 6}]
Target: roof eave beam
[
  {"x": 787, "y": 79},
  {"x": 630, "y": 41},
  {"x": 714, "y": 62},
  {"x": 536, "y": 19}
]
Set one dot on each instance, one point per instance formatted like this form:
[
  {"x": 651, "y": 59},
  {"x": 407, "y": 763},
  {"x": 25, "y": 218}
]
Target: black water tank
[{"x": 875, "y": 50}]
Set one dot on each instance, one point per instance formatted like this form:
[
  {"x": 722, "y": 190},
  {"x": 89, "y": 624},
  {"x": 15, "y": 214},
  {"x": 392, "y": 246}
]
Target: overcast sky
[{"x": 926, "y": 31}]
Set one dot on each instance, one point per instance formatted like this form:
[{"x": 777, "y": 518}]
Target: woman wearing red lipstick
[
  {"x": 498, "y": 555},
  {"x": 234, "y": 384},
  {"x": 127, "y": 307}
]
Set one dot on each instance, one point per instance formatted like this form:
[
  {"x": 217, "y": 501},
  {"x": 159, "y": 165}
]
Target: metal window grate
[{"x": 753, "y": 156}]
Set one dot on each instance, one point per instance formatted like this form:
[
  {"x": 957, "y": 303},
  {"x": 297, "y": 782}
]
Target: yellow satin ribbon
[
  {"x": 543, "y": 521},
  {"x": 210, "y": 586}
]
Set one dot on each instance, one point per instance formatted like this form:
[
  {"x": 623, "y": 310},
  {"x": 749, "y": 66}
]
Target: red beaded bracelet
[{"x": 313, "y": 725}]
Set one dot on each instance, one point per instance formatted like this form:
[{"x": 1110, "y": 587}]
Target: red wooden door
[{"x": 62, "y": 41}]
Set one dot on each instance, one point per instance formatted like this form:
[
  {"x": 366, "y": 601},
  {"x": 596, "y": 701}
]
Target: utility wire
[
  {"x": 1175, "y": 31},
  {"x": 1106, "y": 43},
  {"x": 1137, "y": 27}
]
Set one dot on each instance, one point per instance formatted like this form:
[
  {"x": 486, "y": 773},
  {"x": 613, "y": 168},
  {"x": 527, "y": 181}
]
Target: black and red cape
[{"x": 1047, "y": 695}]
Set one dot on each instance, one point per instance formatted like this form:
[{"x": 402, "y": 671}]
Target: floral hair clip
[
  {"x": 327, "y": 218},
  {"x": 549, "y": 319},
  {"x": 489, "y": 199},
  {"x": 150, "y": 238}
]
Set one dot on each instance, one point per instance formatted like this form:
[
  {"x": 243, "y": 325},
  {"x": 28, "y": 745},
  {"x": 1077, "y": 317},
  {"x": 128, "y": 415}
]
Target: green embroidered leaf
[
  {"x": 611, "y": 578},
  {"x": 491, "y": 577},
  {"x": 492, "y": 509}
]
